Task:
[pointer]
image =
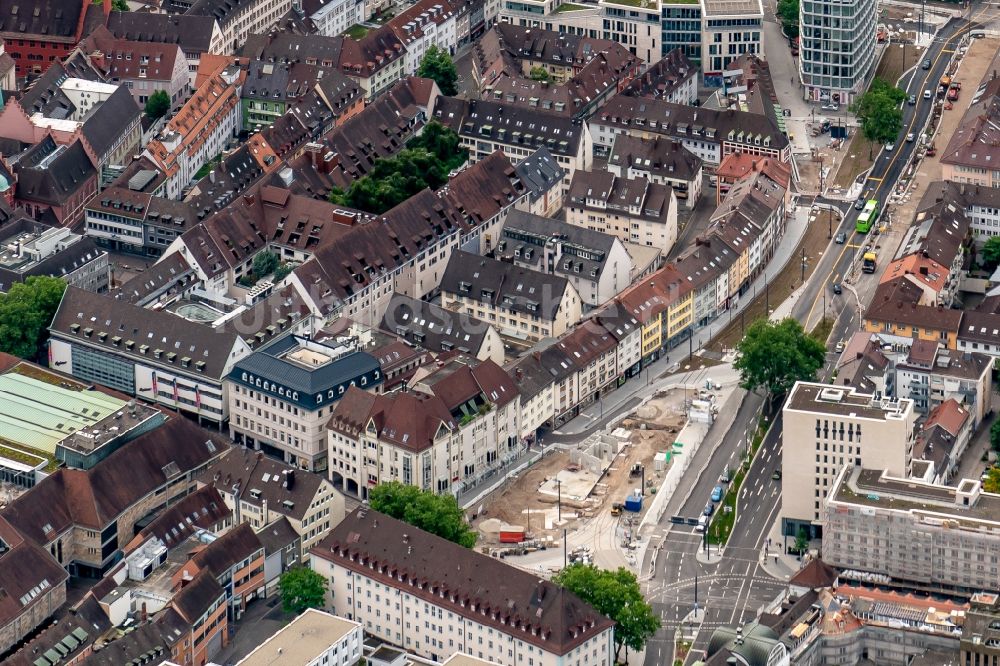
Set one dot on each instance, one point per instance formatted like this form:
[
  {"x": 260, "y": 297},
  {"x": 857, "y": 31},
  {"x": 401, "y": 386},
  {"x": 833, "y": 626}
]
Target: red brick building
[{"x": 38, "y": 32}]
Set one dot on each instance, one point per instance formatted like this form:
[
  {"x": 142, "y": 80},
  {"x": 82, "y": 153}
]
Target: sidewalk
[{"x": 773, "y": 558}]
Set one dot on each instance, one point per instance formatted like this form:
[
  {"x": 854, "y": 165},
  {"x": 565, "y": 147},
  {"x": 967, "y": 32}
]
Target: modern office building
[
  {"x": 730, "y": 28},
  {"x": 837, "y": 55},
  {"x": 918, "y": 534},
  {"x": 832, "y": 427}
]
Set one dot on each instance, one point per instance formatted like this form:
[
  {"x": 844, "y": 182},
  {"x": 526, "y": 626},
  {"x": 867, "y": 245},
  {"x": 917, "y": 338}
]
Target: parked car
[
  {"x": 831, "y": 107},
  {"x": 717, "y": 493},
  {"x": 709, "y": 509},
  {"x": 841, "y": 238}
]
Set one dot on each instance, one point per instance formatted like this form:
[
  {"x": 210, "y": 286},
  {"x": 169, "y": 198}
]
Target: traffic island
[{"x": 721, "y": 525}]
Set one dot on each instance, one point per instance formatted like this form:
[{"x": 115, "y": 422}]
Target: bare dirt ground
[{"x": 521, "y": 503}]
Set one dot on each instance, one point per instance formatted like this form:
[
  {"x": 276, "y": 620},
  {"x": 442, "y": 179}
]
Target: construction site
[{"x": 595, "y": 492}]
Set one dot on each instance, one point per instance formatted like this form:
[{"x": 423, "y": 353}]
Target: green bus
[{"x": 867, "y": 217}]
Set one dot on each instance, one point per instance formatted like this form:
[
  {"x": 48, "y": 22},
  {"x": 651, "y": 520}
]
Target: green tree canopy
[
  {"x": 119, "y": 6},
  {"x": 158, "y": 104},
  {"x": 425, "y": 163},
  {"x": 776, "y": 355},
  {"x": 26, "y": 311},
  {"x": 282, "y": 271},
  {"x": 801, "y": 541},
  {"x": 995, "y": 436},
  {"x": 438, "y": 65},
  {"x": 879, "y": 112},
  {"x": 992, "y": 482},
  {"x": 616, "y": 594},
  {"x": 265, "y": 263},
  {"x": 538, "y": 73},
  {"x": 788, "y": 14},
  {"x": 991, "y": 253},
  {"x": 437, "y": 514},
  {"x": 302, "y": 588}
]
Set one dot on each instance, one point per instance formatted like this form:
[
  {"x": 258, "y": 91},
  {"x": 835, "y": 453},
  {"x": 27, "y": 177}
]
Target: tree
[
  {"x": 879, "y": 112},
  {"x": 158, "y": 104},
  {"x": 265, "y": 263},
  {"x": 425, "y": 163},
  {"x": 119, "y": 6},
  {"x": 441, "y": 142},
  {"x": 538, "y": 73},
  {"x": 788, "y": 14},
  {"x": 992, "y": 482},
  {"x": 282, "y": 271},
  {"x": 991, "y": 253},
  {"x": 801, "y": 541},
  {"x": 615, "y": 594},
  {"x": 302, "y": 588},
  {"x": 437, "y": 514},
  {"x": 26, "y": 311},
  {"x": 776, "y": 355},
  {"x": 438, "y": 65},
  {"x": 995, "y": 436}
]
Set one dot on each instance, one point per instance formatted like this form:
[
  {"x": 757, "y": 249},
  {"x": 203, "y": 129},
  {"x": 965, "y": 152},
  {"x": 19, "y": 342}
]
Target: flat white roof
[
  {"x": 88, "y": 86},
  {"x": 302, "y": 640}
]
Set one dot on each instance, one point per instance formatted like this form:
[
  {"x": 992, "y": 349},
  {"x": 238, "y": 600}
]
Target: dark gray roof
[
  {"x": 431, "y": 327},
  {"x": 660, "y": 156},
  {"x": 510, "y": 124},
  {"x": 74, "y": 257},
  {"x": 584, "y": 251},
  {"x": 504, "y": 285},
  {"x": 222, "y": 11},
  {"x": 152, "y": 329},
  {"x": 51, "y": 18},
  {"x": 539, "y": 172},
  {"x": 158, "y": 278},
  {"x": 46, "y": 97},
  {"x": 52, "y": 174},
  {"x": 278, "y": 535},
  {"x": 105, "y": 123},
  {"x": 192, "y": 32},
  {"x": 340, "y": 372}
]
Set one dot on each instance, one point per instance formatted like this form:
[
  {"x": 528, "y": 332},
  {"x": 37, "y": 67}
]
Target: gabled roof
[
  {"x": 27, "y": 574},
  {"x": 284, "y": 489},
  {"x": 896, "y": 301},
  {"x": 105, "y": 123},
  {"x": 230, "y": 549},
  {"x": 58, "y": 20},
  {"x": 504, "y": 285},
  {"x": 662, "y": 157},
  {"x": 516, "y": 602},
  {"x": 149, "y": 331},
  {"x": 194, "y": 599},
  {"x": 663, "y": 77},
  {"x": 94, "y": 498},
  {"x": 52, "y": 174},
  {"x": 432, "y": 327},
  {"x": 539, "y": 172},
  {"x": 482, "y": 190},
  {"x": 192, "y": 32},
  {"x": 204, "y": 509},
  {"x": 640, "y": 197},
  {"x": 410, "y": 420}
]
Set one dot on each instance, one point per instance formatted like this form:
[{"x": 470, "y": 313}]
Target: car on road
[
  {"x": 841, "y": 238},
  {"x": 911, "y": 100},
  {"x": 911, "y": 136},
  {"x": 837, "y": 290},
  {"x": 840, "y": 346},
  {"x": 777, "y": 475},
  {"x": 709, "y": 509},
  {"x": 927, "y": 93},
  {"x": 927, "y": 64},
  {"x": 724, "y": 478},
  {"x": 831, "y": 107},
  {"x": 859, "y": 204},
  {"x": 702, "y": 524},
  {"x": 716, "y": 493},
  {"x": 889, "y": 147}
]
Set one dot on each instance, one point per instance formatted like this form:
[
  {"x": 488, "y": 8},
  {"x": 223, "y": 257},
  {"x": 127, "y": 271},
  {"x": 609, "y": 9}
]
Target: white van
[{"x": 702, "y": 524}]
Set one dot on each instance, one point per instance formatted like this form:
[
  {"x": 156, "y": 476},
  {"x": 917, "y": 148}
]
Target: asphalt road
[{"x": 879, "y": 183}]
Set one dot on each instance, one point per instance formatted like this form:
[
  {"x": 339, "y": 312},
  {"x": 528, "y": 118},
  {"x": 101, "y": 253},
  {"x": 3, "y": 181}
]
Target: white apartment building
[
  {"x": 281, "y": 397},
  {"x": 260, "y": 490},
  {"x": 314, "y": 638},
  {"x": 199, "y": 131},
  {"x": 428, "y": 437},
  {"x": 241, "y": 18},
  {"x": 837, "y": 48},
  {"x": 828, "y": 427},
  {"x": 426, "y": 595},
  {"x": 423, "y": 25},
  {"x": 730, "y": 28},
  {"x": 333, "y": 17}
]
